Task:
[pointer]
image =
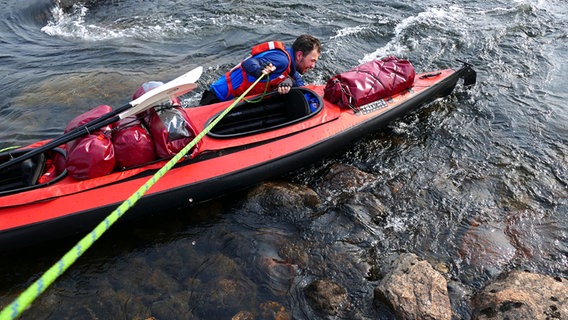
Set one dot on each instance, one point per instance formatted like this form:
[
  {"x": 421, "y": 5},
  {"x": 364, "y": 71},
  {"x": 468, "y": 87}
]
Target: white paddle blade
[
  {"x": 157, "y": 96},
  {"x": 178, "y": 86},
  {"x": 190, "y": 77}
]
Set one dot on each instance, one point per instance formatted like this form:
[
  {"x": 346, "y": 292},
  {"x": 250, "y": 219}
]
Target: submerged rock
[
  {"x": 272, "y": 310},
  {"x": 277, "y": 274},
  {"x": 295, "y": 202},
  {"x": 227, "y": 295},
  {"x": 342, "y": 181},
  {"x": 294, "y": 253},
  {"x": 269, "y": 310},
  {"x": 174, "y": 305},
  {"x": 536, "y": 235},
  {"x": 327, "y": 297},
  {"x": 243, "y": 315},
  {"x": 367, "y": 211},
  {"x": 523, "y": 295},
  {"x": 486, "y": 248},
  {"x": 414, "y": 290}
]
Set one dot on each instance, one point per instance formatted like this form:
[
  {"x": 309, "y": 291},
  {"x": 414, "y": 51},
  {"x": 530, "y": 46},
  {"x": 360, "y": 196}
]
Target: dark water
[{"x": 476, "y": 183}]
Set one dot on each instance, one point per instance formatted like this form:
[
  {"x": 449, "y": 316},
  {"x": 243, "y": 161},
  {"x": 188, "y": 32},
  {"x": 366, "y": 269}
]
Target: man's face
[{"x": 306, "y": 62}]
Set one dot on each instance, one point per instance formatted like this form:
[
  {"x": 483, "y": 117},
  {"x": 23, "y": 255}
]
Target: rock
[
  {"x": 175, "y": 304},
  {"x": 327, "y": 297},
  {"x": 272, "y": 310},
  {"x": 289, "y": 200},
  {"x": 486, "y": 248},
  {"x": 225, "y": 296},
  {"x": 160, "y": 280},
  {"x": 365, "y": 202},
  {"x": 535, "y": 234},
  {"x": 277, "y": 274},
  {"x": 414, "y": 290},
  {"x": 243, "y": 315},
  {"x": 217, "y": 264},
  {"x": 342, "y": 181},
  {"x": 523, "y": 295},
  {"x": 269, "y": 310},
  {"x": 460, "y": 297},
  {"x": 295, "y": 253},
  {"x": 230, "y": 292}
]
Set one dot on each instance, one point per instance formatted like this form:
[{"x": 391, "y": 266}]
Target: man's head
[{"x": 307, "y": 50}]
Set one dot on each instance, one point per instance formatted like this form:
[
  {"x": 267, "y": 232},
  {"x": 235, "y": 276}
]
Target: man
[{"x": 284, "y": 65}]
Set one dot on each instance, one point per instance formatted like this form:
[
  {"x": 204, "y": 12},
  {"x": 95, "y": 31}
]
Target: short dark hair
[{"x": 306, "y": 43}]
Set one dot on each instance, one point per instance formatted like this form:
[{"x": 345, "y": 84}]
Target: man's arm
[{"x": 254, "y": 65}]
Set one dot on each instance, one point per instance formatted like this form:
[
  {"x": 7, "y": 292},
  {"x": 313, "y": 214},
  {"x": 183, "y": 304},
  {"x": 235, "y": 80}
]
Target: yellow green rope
[
  {"x": 260, "y": 96},
  {"x": 25, "y": 299}
]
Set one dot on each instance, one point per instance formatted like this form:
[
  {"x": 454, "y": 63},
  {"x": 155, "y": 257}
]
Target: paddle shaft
[
  {"x": 71, "y": 135},
  {"x": 90, "y": 125}
]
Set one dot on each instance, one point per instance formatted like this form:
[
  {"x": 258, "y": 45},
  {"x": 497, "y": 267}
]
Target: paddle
[{"x": 174, "y": 88}]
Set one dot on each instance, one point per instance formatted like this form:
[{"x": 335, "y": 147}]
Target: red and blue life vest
[{"x": 237, "y": 81}]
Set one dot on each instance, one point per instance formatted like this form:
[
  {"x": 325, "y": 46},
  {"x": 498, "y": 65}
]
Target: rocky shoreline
[
  {"x": 412, "y": 287},
  {"x": 415, "y": 290}
]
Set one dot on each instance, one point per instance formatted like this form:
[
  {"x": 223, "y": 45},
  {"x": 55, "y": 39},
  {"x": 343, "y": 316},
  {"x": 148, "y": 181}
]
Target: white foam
[
  {"x": 348, "y": 31},
  {"x": 73, "y": 25},
  {"x": 446, "y": 18}
]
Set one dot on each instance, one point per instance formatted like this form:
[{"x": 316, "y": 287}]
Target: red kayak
[{"x": 254, "y": 142}]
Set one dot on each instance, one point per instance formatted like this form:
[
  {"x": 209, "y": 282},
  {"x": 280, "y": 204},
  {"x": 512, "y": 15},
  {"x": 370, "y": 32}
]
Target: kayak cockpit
[
  {"x": 32, "y": 173},
  {"x": 272, "y": 112}
]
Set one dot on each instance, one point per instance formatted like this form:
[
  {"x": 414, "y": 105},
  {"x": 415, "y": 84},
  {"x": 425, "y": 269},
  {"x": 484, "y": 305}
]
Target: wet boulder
[
  {"x": 523, "y": 295},
  {"x": 226, "y": 295},
  {"x": 268, "y": 310},
  {"x": 271, "y": 310},
  {"x": 366, "y": 210},
  {"x": 414, "y": 290},
  {"x": 295, "y": 202},
  {"x": 341, "y": 182},
  {"x": 535, "y": 234},
  {"x": 486, "y": 248},
  {"x": 327, "y": 297},
  {"x": 277, "y": 274},
  {"x": 243, "y": 315}
]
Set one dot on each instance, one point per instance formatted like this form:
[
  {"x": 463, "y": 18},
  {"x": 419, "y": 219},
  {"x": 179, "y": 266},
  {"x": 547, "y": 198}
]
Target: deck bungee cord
[{"x": 24, "y": 300}]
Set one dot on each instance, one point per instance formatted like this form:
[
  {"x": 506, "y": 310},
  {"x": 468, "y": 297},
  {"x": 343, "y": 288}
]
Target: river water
[{"x": 477, "y": 183}]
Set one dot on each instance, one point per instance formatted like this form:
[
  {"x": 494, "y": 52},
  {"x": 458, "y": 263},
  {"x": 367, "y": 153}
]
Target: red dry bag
[
  {"x": 370, "y": 82},
  {"x": 90, "y": 156},
  {"x": 133, "y": 145}
]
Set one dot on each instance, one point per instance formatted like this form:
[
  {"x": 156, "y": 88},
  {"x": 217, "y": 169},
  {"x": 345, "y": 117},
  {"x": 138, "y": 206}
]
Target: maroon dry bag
[
  {"x": 133, "y": 145},
  {"x": 92, "y": 155},
  {"x": 370, "y": 82}
]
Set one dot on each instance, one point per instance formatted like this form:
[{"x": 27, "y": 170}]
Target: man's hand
[
  {"x": 268, "y": 68},
  {"x": 285, "y": 86}
]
